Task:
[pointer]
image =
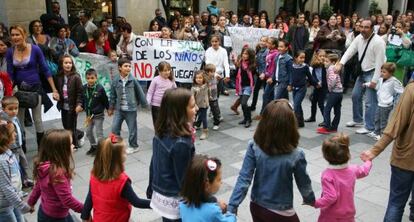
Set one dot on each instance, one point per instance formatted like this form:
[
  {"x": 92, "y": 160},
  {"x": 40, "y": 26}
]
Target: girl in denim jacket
[
  {"x": 273, "y": 158},
  {"x": 201, "y": 182}
]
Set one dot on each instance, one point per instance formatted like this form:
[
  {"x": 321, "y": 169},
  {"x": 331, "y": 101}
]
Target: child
[
  {"x": 297, "y": 84},
  {"x": 217, "y": 55},
  {"x": 110, "y": 189},
  {"x": 245, "y": 82},
  {"x": 319, "y": 92},
  {"x": 338, "y": 181},
  {"x": 69, "y": 86},
  {"x": 334, "y": 97},
  {"x": 156, "y": 90},
  {"x": 126, "y": 95},
  {"x": 283, "y": 64},
  {"x": 10, "y": 106},
  {"x": 273, "y": 159},
  {"x": 261, "y": 53},
  {"x": 113, "y": 64},
  {"x": 53, "y": 171},
  {"x": 11, "y": 201},
  {"x": 173, "y": 149},
  {"x": 389, "y": 89},
  {"x": 94, "y": 103},
  {"x": 268, "y": 93},
  {"x": 210, "y": 70},
  {"x": 201, "y": 93},
  {"x": 201, "y": 182}
]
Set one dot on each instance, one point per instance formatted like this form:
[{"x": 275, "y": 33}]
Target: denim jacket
[
  {"x": 261, "y": 60},
  {"x": 134, "y": 93},
  {"x": 170, "y": 159},
  {"x": 284, "y": 68},
  {"x": 273, "y": 179}
]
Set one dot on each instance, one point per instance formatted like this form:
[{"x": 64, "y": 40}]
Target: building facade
[{"x": 140, "y": 12}]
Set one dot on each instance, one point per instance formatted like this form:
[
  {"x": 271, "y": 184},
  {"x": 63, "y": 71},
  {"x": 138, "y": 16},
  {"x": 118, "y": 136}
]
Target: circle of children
[{"x": 182, "y": 183}]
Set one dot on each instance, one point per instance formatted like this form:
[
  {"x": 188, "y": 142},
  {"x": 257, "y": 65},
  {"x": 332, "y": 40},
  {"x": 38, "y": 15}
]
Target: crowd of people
[{"x": 331, "y": 55}]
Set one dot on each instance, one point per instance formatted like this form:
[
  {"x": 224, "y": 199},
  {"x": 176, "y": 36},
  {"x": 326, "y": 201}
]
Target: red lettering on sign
[{"x": 143, "y": 71}]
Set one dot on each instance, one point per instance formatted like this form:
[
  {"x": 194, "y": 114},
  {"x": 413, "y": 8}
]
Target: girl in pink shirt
[
  {"x": 156, "y": 90},
  {"x": 338, "y": 181}
]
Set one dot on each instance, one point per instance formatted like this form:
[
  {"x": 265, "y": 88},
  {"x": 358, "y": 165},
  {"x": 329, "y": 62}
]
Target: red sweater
[
  {"x": 91, "y": 47},
  {"x": 108, "y": 205},
  {"x": 7, "y": 83}
]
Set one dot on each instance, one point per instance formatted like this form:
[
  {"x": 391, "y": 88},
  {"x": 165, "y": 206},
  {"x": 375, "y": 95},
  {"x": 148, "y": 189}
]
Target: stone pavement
[{"x": 229, "y": 144}]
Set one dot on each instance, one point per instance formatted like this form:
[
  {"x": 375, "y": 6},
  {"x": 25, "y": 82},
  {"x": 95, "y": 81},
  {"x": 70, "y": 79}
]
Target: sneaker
[
  {"x": 323, "y": 130},
  {"x": 371, "y": 134},
  {"x": 248, "y": 124},
  {"x": 362, "y": 130},
  {"x": 321, "y": 124},
  {"x": 131, "y": 150},
  {"x": 216, "y": 127},
  {"x": 353, "y": 124}
]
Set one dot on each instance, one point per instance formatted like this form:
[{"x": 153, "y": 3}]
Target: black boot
[
  {"x": 247, "y": 116},
  {"x": 301, "y": 122},
  {"x": 92, "y": 150},
  {"x": 39, "y": 137}
]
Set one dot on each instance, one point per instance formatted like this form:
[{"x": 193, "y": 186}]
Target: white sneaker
[
  {"x": 377, "y": 137},
  {"x": 216, "y": 127},
  {"x": 362, "y": 130},
  {"x": 131, "y": 150},
  {"x": 353, "y": 124},
  {"x": 371, "y": 134}
]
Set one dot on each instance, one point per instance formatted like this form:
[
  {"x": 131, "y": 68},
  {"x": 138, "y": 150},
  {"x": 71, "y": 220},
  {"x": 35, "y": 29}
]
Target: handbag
[
  {"x": 27, "y": 99},
  {"x": 358, "y": 67},
  {"x": 407, "y": 58}
]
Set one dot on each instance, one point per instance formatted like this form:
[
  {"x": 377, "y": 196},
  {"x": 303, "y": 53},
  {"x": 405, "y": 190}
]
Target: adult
[
  {"x": 234, "y": 21},
  {"x": 4, "y": 45},
  {"x": 399, "y": 128},
  {"x": 263, "y": 23},
  {"x": 383, "y": 31},
  {"x": 86, "y": 21},
  {"x": 246, "y": 21},
  {"x": 3, "y": 31},
  {"x": 79, "y": 35},
  {"x": 371, "y": 71},
  {"x": 212, "y": 8},
  {"x": 186, "y": 32},
  {"x": 263, "y": 15},
  {"x": 51, "y": 20},
  {"x": 256, "y": 21},
  {"x": 125, "y": 46},
  {"x": 166, "y": 33},
  {"x": 108, "y": 34},
  {"x": 380, "y": 19},
  {"x": 154, "y": 26},
  {"x": 279, "y": 19},
  {"x": 313, "y": 32},
  {"x": 61, "y": 45},
  {"x": 174, "y": 25},
  {"x": 25, "y": 64},
  {"x": 37, "y": 37},
  {"x": 397, "y": 36},
  {"x": 298, "y": 35},
  {"x": 158, "y": 17},
  {"x": 388, "y": 20},
  {"x": 331, "y": 37},
  {"x": 349, "y": 69},
  {"x": 98, "y": 45}
]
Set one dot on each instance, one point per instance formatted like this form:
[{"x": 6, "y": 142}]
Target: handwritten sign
[
  {"x": 241, "y": 36},
  {"x": 185, "y": 57},
  {"x": 152, "y": 34}
]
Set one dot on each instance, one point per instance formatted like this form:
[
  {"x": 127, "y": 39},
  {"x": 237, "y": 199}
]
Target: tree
[
  {"x": 302, "y": 4},
  {"x": 166, "y": 5},
  {"x": 326, "y": 11}
]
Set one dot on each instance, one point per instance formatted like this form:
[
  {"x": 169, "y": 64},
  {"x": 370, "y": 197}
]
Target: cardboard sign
[
  {"x": 152, "y": 34},
  {"x": 241, "y": 36}
]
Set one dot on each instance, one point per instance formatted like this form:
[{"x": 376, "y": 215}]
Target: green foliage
[
  {"x": 374, "y": 8},
  {"x": 326, "y": 11}
]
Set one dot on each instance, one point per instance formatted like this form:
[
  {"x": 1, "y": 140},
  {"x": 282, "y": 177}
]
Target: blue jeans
[
  {"x": 334, "y": 100},
  {"x": 371, "y": 101},
  {"x": 202, "y": 117},
  {"x": 42, "y": 217},
  {"x": 298, "y": 96},
  {"x": 268, "y": 95},
  {"x": 130, "y": 118},
  {"x": 11, "y": 214},
  {"x": 281, "y": 91},
  {"x": 401, "y": 185}
]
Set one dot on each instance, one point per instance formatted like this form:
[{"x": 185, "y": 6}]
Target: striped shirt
[{"x": 333, "y": 80}]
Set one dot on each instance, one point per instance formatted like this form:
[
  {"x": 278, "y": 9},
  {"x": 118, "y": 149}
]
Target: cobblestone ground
[{"x": 229, "y": 144}]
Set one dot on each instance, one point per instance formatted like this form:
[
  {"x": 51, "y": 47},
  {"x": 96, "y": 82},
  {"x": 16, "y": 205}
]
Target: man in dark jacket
[{"x": 298, "y": 35}]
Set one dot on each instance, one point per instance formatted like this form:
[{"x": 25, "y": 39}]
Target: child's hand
[
  {"x": 31, "y": 209},
  {"x": 289, "y": 88},
  {"x": 55, "y": 96},
  {"x": 269, "y": 81},
  {"x": 78, "y": 109},
  {"x": 223, "y": 206},
  {"x": 110, "y": 112},
  {"x": 367, "y": 155}
]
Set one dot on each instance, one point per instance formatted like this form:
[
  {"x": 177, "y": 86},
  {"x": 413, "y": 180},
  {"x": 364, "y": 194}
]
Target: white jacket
[
  {"x": 130, "y": 46},
  {"x": 388, "y": 91}
]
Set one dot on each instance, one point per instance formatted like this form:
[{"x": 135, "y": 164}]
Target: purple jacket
[
  {"x": 29, "y": 73},
  {"x": 56, "y": 195}
]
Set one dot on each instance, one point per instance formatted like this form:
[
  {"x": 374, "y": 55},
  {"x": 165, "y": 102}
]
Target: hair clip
[
  {"x": 211, "y": 165},
  {"x": 113, "y": 137}
]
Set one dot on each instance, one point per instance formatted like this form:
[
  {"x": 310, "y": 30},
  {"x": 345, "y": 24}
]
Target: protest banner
[
  {"x": 241, "y": 36},
  {"x": 152, "y": 34},
  {"x": 185, "y": 57}
]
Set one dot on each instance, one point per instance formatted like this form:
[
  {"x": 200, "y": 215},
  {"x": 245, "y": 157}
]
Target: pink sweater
[
  {"x": 337, "y": 199},
  {"x": 157, "y": 89},
  {"x": 56, "y": 198}
]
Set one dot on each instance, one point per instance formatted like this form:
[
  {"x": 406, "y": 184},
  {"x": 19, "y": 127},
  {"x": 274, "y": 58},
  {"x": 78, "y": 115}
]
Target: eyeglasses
[{"x": 211, "y": 165}]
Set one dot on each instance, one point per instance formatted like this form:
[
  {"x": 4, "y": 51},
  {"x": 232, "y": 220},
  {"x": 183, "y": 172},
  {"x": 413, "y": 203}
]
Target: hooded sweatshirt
[{"x": 55, "y": 192}]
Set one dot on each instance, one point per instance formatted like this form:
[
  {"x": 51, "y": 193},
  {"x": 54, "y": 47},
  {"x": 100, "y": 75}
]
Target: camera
[{"x": 393, "y": 30}]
